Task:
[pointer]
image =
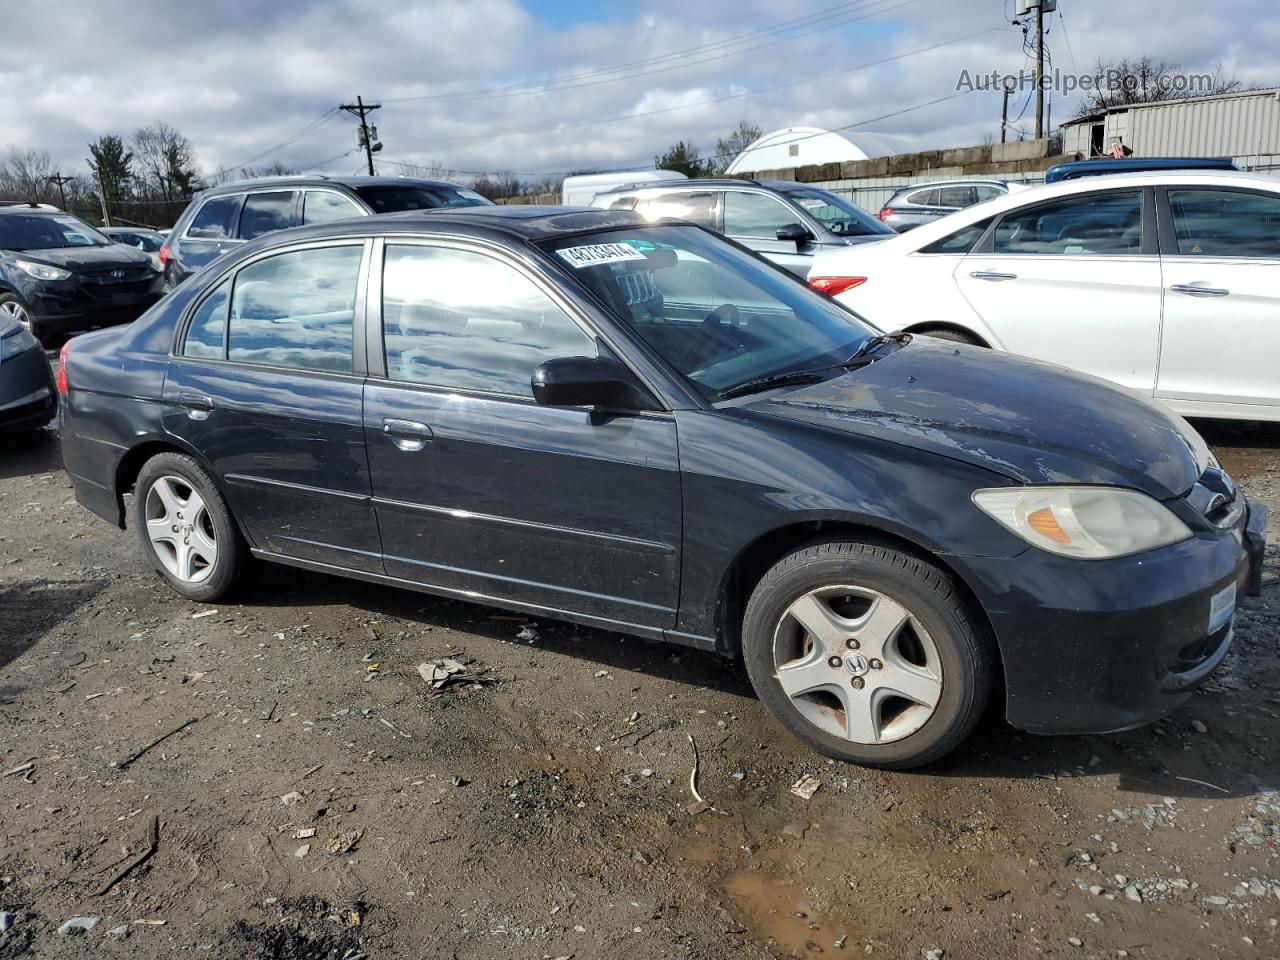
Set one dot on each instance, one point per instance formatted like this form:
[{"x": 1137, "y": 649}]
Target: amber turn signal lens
[{"x": 1043, "y": 522}]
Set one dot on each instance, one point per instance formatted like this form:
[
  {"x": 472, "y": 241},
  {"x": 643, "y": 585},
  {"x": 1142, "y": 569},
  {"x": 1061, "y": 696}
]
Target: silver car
[{"x": 924, "y": 203}]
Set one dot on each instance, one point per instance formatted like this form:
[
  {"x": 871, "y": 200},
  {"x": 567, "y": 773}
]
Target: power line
[
  {"x": 723, "y": 156},
  {"x": 576, "y": 82},
  {"x": 313, "y": 125},
  {"x": 727, "y": 98},
  {"x": 362, "y": 110}
]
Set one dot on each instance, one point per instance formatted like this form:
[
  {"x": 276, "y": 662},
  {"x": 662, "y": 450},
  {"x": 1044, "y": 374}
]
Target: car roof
[
  {"x": 1108, "y": 165},
  {"x": 927, "y": 233},
  {"x": 24, "y": 207},
  {"x": 522, "y": 221},
  {"x": 696, "y": 183},
  {"x": 321, "y": 180}
]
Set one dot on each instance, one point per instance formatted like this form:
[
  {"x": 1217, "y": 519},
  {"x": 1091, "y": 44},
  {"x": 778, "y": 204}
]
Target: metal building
[{"x": 1244, "y": 125}]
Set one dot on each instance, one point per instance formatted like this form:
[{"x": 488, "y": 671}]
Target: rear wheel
[
  {"x": 867, "y": 654},
  {"x": 186, "y": 529},
  {"x": 13, "y": 309}
]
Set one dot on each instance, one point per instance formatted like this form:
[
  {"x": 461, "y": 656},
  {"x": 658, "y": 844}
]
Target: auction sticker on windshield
[{"x": 594, "y": 254}]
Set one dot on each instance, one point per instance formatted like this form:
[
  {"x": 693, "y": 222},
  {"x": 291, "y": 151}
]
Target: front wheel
[
  {"x": 867, "y": 654},
  {"x": 186, "y": 529}
]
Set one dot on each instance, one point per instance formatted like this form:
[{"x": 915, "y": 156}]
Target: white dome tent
[{"x": 800, "y": 146}]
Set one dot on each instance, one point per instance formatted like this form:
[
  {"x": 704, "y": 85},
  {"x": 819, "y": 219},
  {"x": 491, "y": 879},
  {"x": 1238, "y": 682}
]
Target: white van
[{"x": 581, "y": 190}]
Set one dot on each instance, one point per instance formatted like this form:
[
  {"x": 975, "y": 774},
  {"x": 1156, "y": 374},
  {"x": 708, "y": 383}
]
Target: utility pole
[
  {"x": 102, "y": 198},
  {"x": 1004, "y": 115},
  {"x": 61, "y": 181},
  {"x": 1040, "y": 69},
  {"x": 368, "y": 141}
]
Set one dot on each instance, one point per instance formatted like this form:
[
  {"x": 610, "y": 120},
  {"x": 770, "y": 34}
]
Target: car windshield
[
  {"x": 43, "y": 232},
  {"x": 838, "y": 215},
  {"x": 718, "y": 315},
  {"x": 418, "y": 196}
]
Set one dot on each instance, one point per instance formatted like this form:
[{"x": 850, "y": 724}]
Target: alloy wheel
[
  {"x": 181, "y": 529},
  {"x": 12, "y": 310},
  {"x": 857, "y": 665}
]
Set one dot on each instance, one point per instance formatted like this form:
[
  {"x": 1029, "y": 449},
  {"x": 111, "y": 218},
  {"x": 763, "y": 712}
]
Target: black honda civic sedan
[
  {"x": 59, "y": 275},
  {"x": 647, "y": 428}
]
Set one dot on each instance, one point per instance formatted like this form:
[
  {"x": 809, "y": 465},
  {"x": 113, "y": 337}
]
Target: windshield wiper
[
  {"x": 794, "y": 378},
  {"x": 863, "y": 353}
]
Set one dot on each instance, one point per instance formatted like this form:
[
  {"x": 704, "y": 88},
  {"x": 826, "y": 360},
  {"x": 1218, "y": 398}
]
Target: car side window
[
  {"x": 454, "y": 318},
  {"x": 986, "y": 191},
  {"x": 924, "y": 198},
  {"x": 296, "y": 309},
  {"x": 216, "y": 218},
  {"x": 962, "y": 241},
  {"x": 267, "y": 213},
  {"x": 1108, "y": 224},
  {"x": 325, "y": 206},
  {"x": 1226, "y": 223},
  {"x": 206, "y": 334},
  {"x": 694, "y": 207},
  {"x": 755, "y": 215},
  {"x": 957, "y": 196},
  {"x": 623, "y": 203}
]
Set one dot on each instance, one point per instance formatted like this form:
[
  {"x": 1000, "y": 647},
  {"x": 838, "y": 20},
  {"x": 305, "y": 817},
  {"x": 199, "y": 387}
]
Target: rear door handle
[
  {"x": 992, "y": 276},
  {"x": 1195, "y": 290},
  {"x": 408, "y": 435},
  {"x": 199, "y": 406}
]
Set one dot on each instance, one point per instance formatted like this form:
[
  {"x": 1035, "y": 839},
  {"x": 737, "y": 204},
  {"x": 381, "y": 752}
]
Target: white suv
[{"x": 1166, "y": 283}]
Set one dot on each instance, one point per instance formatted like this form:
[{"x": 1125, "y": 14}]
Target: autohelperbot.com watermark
[{"x": 1108, "y": 81}]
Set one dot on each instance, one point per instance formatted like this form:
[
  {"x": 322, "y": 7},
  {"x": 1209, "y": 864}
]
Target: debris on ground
[
  {"x": 150, "y": 850},
  {"x": 78, "y": 925},
  {"x": 528, "y": 633},
  {"x": 806, "y": 786},
  {"x": 447, "y": 671},
  {"x": 128, "y": 761}
]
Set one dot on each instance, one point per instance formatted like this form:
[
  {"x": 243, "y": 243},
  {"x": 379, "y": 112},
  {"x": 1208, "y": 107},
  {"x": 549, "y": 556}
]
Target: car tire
[
  {"x": 837, "y": 686},
  {"x": 186, "y": 529},
  {"x": 950, "y": 333},
  {"x": 11, "y": 304}
]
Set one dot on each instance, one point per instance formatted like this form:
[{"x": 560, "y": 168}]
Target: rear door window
[
  {"x": 958, "y": 196},
  {"x": 325, "y": 206},
  {"x": 267, "y": 213},
  {"x": 962, "y": 241},
  {"x": 206, "y": 334},
  {"x": 924, "y": 198},
  {"x": 216, "y": 218},
  {"x": 296, "y": 309},
  {"x": 1107, "y": 224},
  {"x": 755, "y": 215},
  {"x": 987, "y": 191},
  {"x": 695, "y": 207},
  {"x": 1226, "y": 223}
]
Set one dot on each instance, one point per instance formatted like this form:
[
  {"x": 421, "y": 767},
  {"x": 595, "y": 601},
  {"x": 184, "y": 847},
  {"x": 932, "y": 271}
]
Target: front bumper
[
  {"x": 1099, "y": 646},
  {"x": 61, "y": 307}
]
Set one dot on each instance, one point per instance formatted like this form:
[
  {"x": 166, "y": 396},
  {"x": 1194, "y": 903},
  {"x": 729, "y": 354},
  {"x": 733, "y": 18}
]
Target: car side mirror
[
  {"x": 794, "y": 232},
  {"x": 589, "y": 382}
]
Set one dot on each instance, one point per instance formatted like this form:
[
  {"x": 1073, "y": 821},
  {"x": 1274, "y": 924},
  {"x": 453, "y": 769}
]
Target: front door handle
[
  {"x": 992, "y": 276},
  {"x": 199, "y": 406},
  {"x": 408, "y": 435},
  {"x": 1196, "y": 290}
]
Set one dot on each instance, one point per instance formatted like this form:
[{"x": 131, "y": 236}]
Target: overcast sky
[{"x": 241, "y": 78}]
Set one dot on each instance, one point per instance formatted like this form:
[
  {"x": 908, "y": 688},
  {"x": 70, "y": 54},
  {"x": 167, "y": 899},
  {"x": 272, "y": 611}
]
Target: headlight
[
  {"x": 1090, "y": 523},
  {"x": 20, "y": 341},
  {"x": 42, "y": 271}
]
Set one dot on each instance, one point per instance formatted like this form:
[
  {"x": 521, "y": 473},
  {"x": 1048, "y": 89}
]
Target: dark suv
[
  {"x": 222, "y": 217},
  {"x": 59, "y": 275},
  {"x": 782, "y": 220}
]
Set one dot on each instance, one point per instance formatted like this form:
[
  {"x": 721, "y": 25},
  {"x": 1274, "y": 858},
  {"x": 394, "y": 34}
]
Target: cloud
[{"x": 240, "y": 77}]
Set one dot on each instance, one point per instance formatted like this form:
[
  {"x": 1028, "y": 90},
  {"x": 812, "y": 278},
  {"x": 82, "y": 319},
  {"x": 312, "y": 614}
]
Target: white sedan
[{"x": 1166, "y": 283}]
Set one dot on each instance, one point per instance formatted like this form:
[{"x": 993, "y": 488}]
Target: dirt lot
[{"x": 323, "y": 802}]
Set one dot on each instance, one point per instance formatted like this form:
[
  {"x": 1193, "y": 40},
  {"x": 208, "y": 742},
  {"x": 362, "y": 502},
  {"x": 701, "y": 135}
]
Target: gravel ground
[{"x": 321, "y": 801}]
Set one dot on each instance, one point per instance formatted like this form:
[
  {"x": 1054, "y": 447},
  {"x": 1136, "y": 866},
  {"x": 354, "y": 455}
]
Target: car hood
[
  {"x": 88, "y": 258},
  {"x": 1031, "y": 421}
]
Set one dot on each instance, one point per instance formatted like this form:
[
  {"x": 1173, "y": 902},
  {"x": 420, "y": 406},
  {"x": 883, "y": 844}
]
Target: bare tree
[
  {"x": 728, "y": 148},
  {"x": 165, "y": 161},
  {"x": 24, "y": 175},
  {"x": 499, "y": 186},
  {"x": 430, "y": 170},
  {"x": 1148, "y": 80}
]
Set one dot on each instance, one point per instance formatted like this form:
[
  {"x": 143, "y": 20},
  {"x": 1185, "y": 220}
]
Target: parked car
[
  {"x": 59, "y": 275},
  {"x": 1102, "y": 166},
  {"x": 28, "y": 398},
  {"x": 146, "y": 240},
  {"x": 1165, "y": 283},
  {"x": 912, "y": 207},
  {"x": 784, "y": 221},
  {"x": 581, "y": 190},
  {"x": 219, "y": 219},
  {"x": 581, "y": 415}
]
